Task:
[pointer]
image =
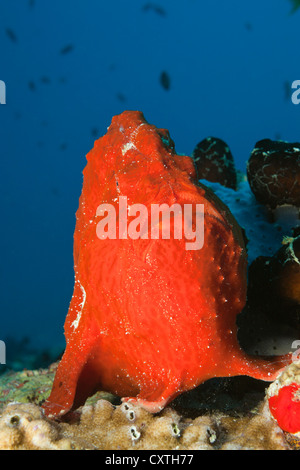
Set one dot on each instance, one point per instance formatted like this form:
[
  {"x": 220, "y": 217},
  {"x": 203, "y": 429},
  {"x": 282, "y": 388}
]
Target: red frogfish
[{"x": 152, "y": 314}]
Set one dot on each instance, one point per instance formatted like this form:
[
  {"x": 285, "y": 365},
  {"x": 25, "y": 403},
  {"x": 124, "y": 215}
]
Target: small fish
[
  {"x": 248, "y": 26},
  {"x": 11, "y": 35},
  {"x": 121, "y": 97},
  {"x": 155, "y": 8},
  {"x": 44, "y": 79},
  {"x": 31, "y": 3},
  {"x": 277, "y": 136},
  {"x": 296, "y": 5},
  {"x": 63, "y": 146},
  {"x": 165, "y": 80},
  {"x": 95, "y": 132},
  {"x": 67, "y": 49},
  {"x": 31, "y": 85}
]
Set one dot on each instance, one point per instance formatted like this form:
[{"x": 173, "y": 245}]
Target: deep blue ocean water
[{"x": 70, "y": 65}]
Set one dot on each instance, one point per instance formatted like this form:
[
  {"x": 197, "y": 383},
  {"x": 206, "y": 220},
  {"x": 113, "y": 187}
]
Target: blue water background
[{"x": 230, "y": 65}]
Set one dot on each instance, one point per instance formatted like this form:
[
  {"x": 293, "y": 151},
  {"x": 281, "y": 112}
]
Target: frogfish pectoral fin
[
  {"x": 155, "y": 401},
  {"x": 69, "y": 390},
  {"x": 261, "y": 368}
]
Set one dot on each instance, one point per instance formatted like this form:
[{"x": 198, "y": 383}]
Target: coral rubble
[
  {"x": 23, "y": 427},
  {"x": 223, "y": 414},
  {"x": 103, "y": 426}
]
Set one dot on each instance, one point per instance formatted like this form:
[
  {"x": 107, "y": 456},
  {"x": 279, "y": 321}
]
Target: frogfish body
[{"x": 149, "y": 318}]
